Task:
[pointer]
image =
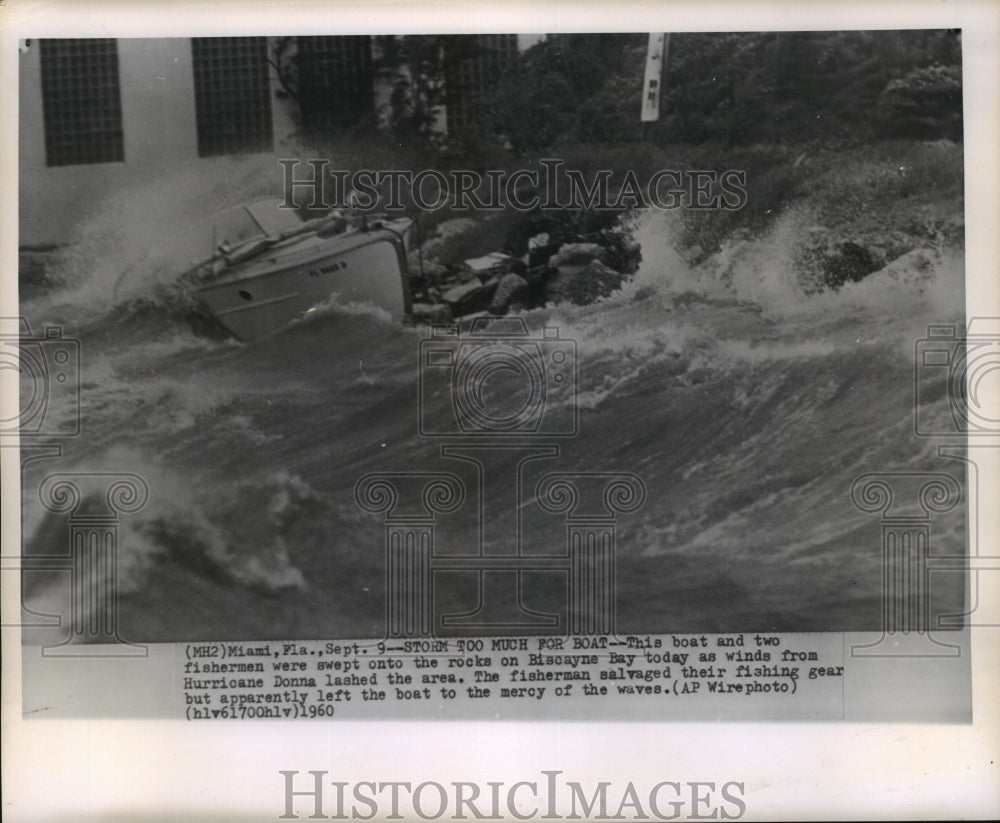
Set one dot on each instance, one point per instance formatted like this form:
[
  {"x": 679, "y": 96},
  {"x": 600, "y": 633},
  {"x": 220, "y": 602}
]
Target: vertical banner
[{"x": 655, "y": 57}]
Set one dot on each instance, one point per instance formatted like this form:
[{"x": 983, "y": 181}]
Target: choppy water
[{"x": 747, "y": 407}]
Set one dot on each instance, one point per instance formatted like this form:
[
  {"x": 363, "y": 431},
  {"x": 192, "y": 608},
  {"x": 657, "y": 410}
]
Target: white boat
[{"x": 267, "y": 267}]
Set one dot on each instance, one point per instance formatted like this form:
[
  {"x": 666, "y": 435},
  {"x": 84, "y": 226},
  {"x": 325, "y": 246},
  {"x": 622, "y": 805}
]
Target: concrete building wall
[{"x": 160, "y": 132}]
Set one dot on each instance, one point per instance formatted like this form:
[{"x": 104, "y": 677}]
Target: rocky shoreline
[{"x": 542, "y": 262}]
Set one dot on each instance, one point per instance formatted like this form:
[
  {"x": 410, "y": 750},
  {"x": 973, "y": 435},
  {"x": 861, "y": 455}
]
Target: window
[
  {"x": 335, "y": 81},
  {"x": 81, "y": 102},
  {"x": 474, "y": 77},
  {"x": 232, "y": 95}
]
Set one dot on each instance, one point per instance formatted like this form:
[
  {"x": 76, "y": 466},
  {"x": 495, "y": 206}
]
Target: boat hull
[{"x": 253, "y": 301}]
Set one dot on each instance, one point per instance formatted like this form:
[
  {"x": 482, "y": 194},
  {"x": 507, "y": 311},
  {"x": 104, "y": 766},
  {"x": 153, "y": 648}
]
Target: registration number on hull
[{"x": 330, "y": 268}]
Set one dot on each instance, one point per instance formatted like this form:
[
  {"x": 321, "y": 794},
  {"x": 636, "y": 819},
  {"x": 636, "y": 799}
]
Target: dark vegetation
[
  {"x": 729, "y": 90},
  {"x": 860, "y": 129},
  {"x": 864, "y": 126}
]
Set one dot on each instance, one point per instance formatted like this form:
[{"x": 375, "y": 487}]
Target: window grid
[
  {"x": 475, "y": 77},
  {"x": 232, "y": 95},
  {"x": 335, "y": 81},
  {"x": 81, "y": 101}
]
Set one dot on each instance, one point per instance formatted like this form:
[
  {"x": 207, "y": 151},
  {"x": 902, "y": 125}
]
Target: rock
[
  {"x": 879, "y": 255},
  {"x": 456, "y": 293},
  {"x": 916, "y": 267},
  {"x": 847, "y": 261},
  {"x": 643, "y": 293},
  {"x": 540, "y": 249},
  {"x": 464, "y": 238},
  {"x": 36, "y": 271},
  {"x": 622, "y": 251},
  {"x": 431, "y": 312},
  {"x": 470, "y": 297},
  {"x": 429, "y": 269},
  {"x": 581, "y": 285},
  {"x": 694, "y": 255},
  {"x": 696, "y": 376},
  {"x": 494, "y": 263},
  {"x": 511, "y": 287},
  {"x": 540, "y": 255},
  {"x": 578, "y": 254}
]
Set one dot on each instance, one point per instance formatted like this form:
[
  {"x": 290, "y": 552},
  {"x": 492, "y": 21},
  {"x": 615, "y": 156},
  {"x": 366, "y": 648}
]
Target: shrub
[{"x": 926, "y": 103}]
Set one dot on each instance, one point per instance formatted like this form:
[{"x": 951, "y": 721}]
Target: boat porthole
[{"x": 245, "y": 294}]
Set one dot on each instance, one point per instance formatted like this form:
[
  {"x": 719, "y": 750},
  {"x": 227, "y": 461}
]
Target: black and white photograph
[
  {"x": 295, "y": 277},
  {"x": 572, "y": 373}
]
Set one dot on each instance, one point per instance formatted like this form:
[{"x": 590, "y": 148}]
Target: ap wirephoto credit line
[{"x": 572, "y": 377}]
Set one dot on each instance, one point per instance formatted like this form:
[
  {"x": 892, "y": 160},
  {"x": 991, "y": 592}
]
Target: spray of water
[{"x": 135, "y": 243}]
